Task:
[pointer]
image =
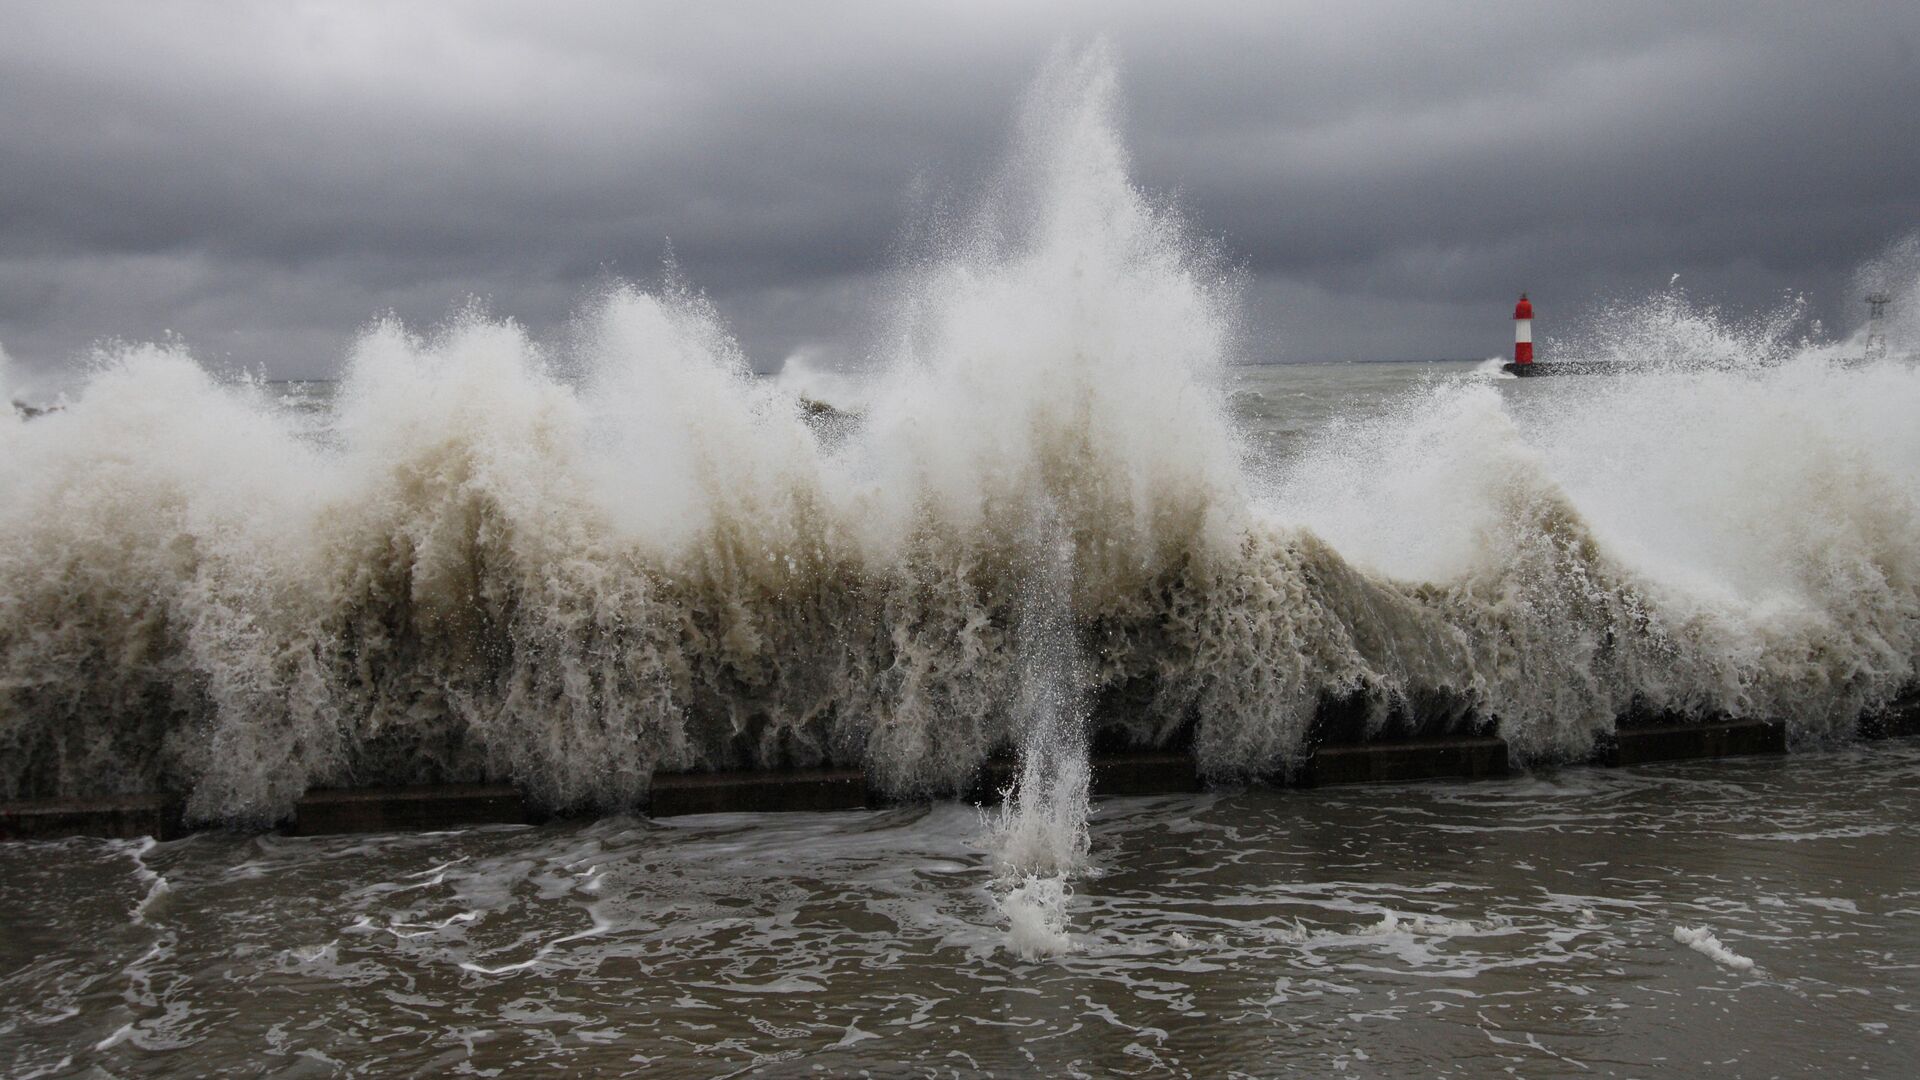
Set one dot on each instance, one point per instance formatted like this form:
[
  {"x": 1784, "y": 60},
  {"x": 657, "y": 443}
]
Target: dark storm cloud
[{"x": 265, "y": 178}]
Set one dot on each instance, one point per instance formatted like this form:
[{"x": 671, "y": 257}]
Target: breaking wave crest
[{"x": 570, "y": 565}]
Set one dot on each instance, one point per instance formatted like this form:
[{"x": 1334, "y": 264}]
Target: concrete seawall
[
  {"x": 427, "y": 806},
  {"x": 446, "y": 806},
  {"x": 122, "y": 816},
  {"x": 1680, "y": 742}
]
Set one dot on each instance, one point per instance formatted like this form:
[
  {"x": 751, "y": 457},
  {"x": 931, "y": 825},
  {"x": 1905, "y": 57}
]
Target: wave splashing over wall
[{"x": 572, "y": 565}]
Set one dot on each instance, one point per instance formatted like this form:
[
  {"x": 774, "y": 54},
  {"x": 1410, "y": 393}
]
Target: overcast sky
[{"x": 263, "y": 179}]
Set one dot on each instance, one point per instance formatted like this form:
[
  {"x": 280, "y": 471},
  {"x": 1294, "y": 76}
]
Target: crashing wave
[{"x": 571, "y": 567}]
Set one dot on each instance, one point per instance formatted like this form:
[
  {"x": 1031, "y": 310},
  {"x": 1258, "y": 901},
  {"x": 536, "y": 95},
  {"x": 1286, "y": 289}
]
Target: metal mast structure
[{"x": 1876, "y": 315}]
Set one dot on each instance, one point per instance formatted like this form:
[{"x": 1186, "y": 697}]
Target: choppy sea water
[{"x": 1522, "y": 927}]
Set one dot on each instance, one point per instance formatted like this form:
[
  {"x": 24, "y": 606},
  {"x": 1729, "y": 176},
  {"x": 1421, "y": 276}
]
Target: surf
[{"x": 571, "y": 564}]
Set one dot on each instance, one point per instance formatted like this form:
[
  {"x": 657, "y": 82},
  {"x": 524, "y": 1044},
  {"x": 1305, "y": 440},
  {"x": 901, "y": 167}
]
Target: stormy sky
[{"x": 263, "y": 179}]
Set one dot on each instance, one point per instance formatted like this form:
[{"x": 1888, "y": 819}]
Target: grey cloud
[{"x": 265, "y": 179}]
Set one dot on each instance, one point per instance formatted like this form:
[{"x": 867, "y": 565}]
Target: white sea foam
[
  {"x": 569, "y": 564},
  {"x": 1701, "y": 940},
  {"x": 1417, "y": 925},
  {"x": 1036, "y": 913}
]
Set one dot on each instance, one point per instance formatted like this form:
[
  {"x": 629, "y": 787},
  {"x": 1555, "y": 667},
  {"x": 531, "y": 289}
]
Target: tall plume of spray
[
  {"x": 1054, "y": 387},
  {"x": 1055, "y": 391},
  {"x": 1065, "y": 340}
]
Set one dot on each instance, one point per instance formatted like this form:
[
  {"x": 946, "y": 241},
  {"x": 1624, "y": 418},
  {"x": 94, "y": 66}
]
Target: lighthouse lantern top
[{"x": 1523, "y": 309}]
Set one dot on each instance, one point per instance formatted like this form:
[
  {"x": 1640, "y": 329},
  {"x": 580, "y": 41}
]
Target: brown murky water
[{"x": 1523, "y": 927}]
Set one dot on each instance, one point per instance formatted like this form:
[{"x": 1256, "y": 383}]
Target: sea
[{"x": 1053, "y": 506}]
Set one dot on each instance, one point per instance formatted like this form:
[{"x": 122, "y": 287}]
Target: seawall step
[
  {"x": 675, "y": 794},
  {"x": 119, "y": 817},
  {"x": 1461, "y": 757},
  {"x": 398, "y": 809},
  {"x": 1125, "y": 772},
  {"x": 1680, "y": 742},
  {"x": 447, "y": 806},
  {"x": 1897, "y": 721},
  {"x": 1145, "y": 773}
]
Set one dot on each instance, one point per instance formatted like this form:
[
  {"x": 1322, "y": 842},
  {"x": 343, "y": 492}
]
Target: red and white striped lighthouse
[{"x": 1523, "y": 331}]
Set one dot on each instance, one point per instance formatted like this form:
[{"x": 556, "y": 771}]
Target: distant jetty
[
  {"x": 1524, "y": 366},
  {"x": 1567, "y": 367},
  {"x": 1523, "y": 363}
]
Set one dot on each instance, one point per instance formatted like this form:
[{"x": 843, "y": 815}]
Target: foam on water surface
[
  {"x": 1266, "y": 932},
  {"x": 1702, "y": 940}
]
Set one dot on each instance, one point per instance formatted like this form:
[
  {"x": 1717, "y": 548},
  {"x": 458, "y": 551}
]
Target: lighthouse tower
[{"x": 1523, "y": 332}]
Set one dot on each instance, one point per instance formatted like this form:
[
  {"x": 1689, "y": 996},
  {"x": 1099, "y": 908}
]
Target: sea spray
[
  {"x": 1043, "y": 820},
  {"x": 1733, "y": 540},
  {"x": 1040, "y": 838},
  {"x": 571, "y": 564},
  {"x": 1894, "y": 274}
]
